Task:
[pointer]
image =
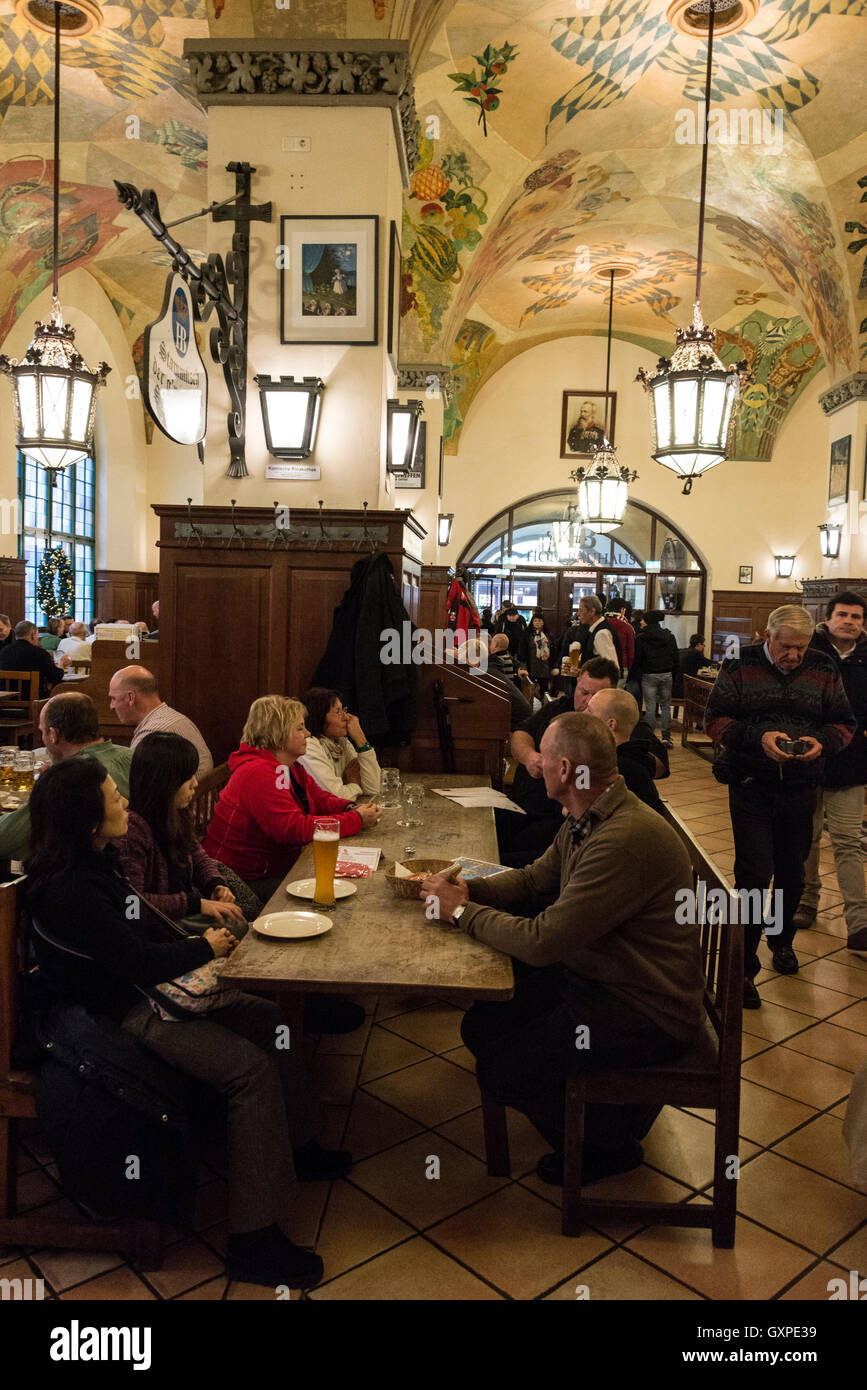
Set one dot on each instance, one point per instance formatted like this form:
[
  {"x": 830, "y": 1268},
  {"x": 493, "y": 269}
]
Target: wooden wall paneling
[
  {"x": 12, "y": 587},
  {"x": 314, "y": 592},
  {"x": 106, "y": 658},
  {"x": 433, "y": 587},
  {"x": 816, "y": 593},
  {"x": 738, "y": 614},
  {"x": 125, "y": 594}
]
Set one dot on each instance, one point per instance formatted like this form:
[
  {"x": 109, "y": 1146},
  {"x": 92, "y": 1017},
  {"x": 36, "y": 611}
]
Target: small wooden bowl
[{"x": 410, "y": 888}]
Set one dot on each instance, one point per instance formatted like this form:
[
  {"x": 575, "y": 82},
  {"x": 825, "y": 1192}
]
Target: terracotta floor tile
[
  {"x": 839, "y": 1046},
  {"x": 214, "y": 1289},
  {"x": 799, "y": 1204},
  {"x": 513, "y": 1239},
  {"x": 63, "y": 1268},
  {"x": 681, "y": 1145},
  {"x": 801, "y": 1078},
  {"x": 813, "y": 1287},
  {"x": 766, "y": 1116},
  {"x": 415, "y": 1271},
  {"x": 355, "y": 1228},
  {"x": 854, "y": 1017},
  {"x": 345, "y": 1044},
  {"x": 643, "y": 1184},
  {"x": 750, "y": 1045},
  {"x": 35, "y": 1189},
  {"x": 835, "y": 975},
  {"x": 839, "y": 1111},
  {"x": 387, "y": 1052},
  {"x": 374, "y": 1126},
  {"x": 436, "y": 1027},
  {"x": 622, "y": 1277},
  {"x": 119, "y": 1285},
  {"x": 717, "y": 841},
  {"x": 398, "y": 1179},
  {"x": 856, "y": 960},
  {"x": 852, "y": 1254},
  {"x": 820, "y": 1145},
  {"x": 19, "y": 1268},
  {"x": 461, "y": 1057},
  {"x": 188, "y": 1263},
  {"x": 334, "y": 1078},
  {"x": 795, "y": 993},
  {"x": 390, "y": 1005},
  {"x": 760, "y": 1264},
  {"x": 526, "y": 1144},
  {"x": 819, "y": 944},
  {"x": 259, "y": 1293},
  {"x": 305, "y": 1214},
  {"x": 430, "y": 1092},
  {"x": 774, "y": 1022}
]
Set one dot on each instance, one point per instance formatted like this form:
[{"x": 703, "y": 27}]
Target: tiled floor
[{"x": 419, "y": 1217}]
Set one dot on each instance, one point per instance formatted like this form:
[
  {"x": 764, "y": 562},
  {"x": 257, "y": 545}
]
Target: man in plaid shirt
[{"x": 778, "y": 690}]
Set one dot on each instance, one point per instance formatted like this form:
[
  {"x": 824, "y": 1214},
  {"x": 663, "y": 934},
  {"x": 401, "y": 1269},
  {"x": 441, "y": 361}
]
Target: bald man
[
  {"x": 617, "y": 980},
  {"x": 619, "y": 711},
  {"x": 135, "y": 699}
]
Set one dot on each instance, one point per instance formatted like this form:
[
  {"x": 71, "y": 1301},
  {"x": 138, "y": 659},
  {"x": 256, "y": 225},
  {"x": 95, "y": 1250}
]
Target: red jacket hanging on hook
[{"x": 463, "y": 615}]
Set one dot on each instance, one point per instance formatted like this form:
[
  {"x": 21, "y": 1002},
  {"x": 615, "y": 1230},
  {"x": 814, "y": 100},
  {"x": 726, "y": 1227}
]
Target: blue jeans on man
[{"x": 656, "y": 686}]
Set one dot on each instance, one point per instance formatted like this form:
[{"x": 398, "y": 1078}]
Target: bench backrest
[
  {"x": 25, "y": 685},
  {"x": 11, "y": 964},
  {"x": 206, "y": 797}
]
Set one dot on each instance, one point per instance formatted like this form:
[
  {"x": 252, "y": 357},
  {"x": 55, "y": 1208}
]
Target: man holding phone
[{"x": 776, "y": 713}]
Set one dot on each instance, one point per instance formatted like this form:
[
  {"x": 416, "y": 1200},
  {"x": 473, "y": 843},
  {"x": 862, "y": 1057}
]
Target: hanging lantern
[{"x": 603, "y": 490}]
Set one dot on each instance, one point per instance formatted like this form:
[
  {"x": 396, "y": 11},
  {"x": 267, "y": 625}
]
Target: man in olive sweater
[{"x": 617, "y": 980}]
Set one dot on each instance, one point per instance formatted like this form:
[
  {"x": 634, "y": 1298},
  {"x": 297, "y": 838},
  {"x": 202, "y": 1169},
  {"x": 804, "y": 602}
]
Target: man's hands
[
  {"x": 223, "y": 911},
  {"x": 220, "y": 940},
  {"x": 370, "y": 815},
  {"x": 448, "y": 895},
  {"x": 771, "y": 749}
]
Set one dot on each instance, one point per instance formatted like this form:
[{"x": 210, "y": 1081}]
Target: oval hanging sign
[{"x": 175, "y": 379}]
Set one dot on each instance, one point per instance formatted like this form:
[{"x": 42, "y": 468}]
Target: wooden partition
[
  {"x": 480, "y": 716},
  {"x": 108, "y": 657},
  {"x": 246, "y": 609},
  {"x": 125, "y": 594},
  {"x": 739, "y": 613},
  {"x": 816, "y": 593},
  {"x": 12, "y": 587}
]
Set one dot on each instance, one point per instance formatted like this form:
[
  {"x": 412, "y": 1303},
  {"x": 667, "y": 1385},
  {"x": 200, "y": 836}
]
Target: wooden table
[{"x": 380, "y": 943}]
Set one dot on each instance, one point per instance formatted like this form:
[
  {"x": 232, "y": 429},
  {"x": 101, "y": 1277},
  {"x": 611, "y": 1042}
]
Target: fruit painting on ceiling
[
  {"x": 854, "y": 247},
  {"x": 443, "y": 216},
  {"x": 481, "y": 88},
  {"x": 474, "y": 349}
]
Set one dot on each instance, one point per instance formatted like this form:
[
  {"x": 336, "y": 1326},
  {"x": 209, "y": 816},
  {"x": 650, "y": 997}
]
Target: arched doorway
[{"x": 646, "y": 561}]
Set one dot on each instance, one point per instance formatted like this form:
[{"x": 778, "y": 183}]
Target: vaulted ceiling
[{"x": 585, "y": 154}]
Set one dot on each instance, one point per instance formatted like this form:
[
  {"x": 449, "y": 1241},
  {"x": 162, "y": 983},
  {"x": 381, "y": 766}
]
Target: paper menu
[{"x": 360, "y": 854}]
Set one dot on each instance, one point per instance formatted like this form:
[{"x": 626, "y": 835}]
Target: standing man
[
  {"x": 655, "y": 663},
  {"x": 625, "y": 635},
  {"x": 842, "y": 638},
  {"x": 775, "y": 692},
  {"x": 598, "y": 637}
]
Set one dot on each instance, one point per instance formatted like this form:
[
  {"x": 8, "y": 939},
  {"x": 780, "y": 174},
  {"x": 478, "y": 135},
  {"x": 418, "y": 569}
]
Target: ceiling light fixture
[{"x": 603, "y": 488}]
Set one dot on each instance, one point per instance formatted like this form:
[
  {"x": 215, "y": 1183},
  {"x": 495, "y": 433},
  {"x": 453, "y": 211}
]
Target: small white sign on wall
[{"x": 292, "y": 472}]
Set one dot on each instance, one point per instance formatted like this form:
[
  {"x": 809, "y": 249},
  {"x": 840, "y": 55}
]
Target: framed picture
[
  {"x": 583, "y": 425},
  {"x": 838, "y": 483},
  {"x": 329, "y": 283},
  {"x": 415, "y": 478},
  {"x": 745, "y": 574},
  {"x": 440, "y": 484},
  {"x": 394, "y": 296}
]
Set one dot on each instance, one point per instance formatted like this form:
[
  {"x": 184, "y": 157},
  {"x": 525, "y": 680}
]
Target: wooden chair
[
  {"x": 143, "y": 1240},
  {"x": 19, "y": 714},
  {"x": 206, "y": 797},
  {"x": 707, "y": 1076}
]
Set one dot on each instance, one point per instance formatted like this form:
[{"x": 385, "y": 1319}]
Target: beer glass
[
  {"x": 23, "y": 770},
  {"x": 413, "y": 797},
  {"x": 326, "y": 843},
  {"x": 7, "y": 765},
  {"x": 390, "y": 787}
]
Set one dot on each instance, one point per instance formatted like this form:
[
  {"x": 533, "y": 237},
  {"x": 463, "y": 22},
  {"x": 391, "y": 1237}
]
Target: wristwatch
[{"x": 459, "y": 912}]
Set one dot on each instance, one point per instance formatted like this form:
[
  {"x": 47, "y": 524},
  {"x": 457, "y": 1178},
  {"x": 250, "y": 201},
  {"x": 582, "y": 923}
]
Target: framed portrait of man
[{"x": 583, "y": 426}]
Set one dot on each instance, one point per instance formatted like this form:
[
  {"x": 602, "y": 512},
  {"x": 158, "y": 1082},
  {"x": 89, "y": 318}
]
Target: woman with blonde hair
[{"x": 266, "y": 811}]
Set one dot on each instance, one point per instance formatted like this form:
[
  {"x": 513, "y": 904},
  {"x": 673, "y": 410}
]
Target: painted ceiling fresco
[{"x": 554, "y": 136}]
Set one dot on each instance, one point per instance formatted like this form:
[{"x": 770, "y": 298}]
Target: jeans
[
  {"x": 657, "y": 686},
  {"x": 234, "y": 1050},
  {"x": 773, "y": 829},
  {"x": 526, "y": 1047},
  {"x": 844, "y": 807}
]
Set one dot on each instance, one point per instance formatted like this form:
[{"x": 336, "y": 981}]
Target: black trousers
[
  {"x": 773, "y": 830},
  {"x": 526, "y": 1047},
  {"x": 522, "y": 839}
]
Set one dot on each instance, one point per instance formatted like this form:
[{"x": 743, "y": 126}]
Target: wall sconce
[
  {"x": 784, "y": 565},
  {"x": 444, "y": 527},
  {"x": 290, "y": 414},
  {"x": 829, "y": 539},
  {"x": 402, "y": 434}
]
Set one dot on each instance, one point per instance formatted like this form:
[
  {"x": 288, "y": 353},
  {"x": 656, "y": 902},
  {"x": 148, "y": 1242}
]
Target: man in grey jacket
[{"x": 616, "y": 979}]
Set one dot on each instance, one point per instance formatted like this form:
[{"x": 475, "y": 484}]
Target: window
[{"x": 66, "y": 511}]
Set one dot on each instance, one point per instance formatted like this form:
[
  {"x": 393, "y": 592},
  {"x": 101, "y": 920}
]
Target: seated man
[
  {"x": 500, "y": 660},
  {"x": 520, "y": 708},
  {"x": 69, "y": 725},
  {"x": 692, "y": 658},
  {"x": 133, "y": 695},
  {"x": 619, "y": 711},
  {"x": 76, "y": 645},
  {"x": 619, "y": 982},
  {"x": 25, "y": 654}
]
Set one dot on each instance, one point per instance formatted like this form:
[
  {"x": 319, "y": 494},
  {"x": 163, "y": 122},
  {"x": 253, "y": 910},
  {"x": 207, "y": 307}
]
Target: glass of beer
[
  {"x": 7, "y": 765},
  {"x": 23, "y": 770},
  {"x": 326, "y": 843}
]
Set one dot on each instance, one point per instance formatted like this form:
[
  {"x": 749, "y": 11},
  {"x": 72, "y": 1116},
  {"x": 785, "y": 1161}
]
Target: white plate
[
  {"x": 292, "y": 925},
  {"x": 305, "y": 887}
]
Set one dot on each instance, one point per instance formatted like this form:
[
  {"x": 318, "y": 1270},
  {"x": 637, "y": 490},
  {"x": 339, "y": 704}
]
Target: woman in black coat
[
  {"x": 100, "y": 945},
  {"x": 537, "y": 653}
]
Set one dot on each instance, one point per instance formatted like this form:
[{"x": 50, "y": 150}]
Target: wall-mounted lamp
[
  {"x": 402, "y": 434},
  {"x": 290, "y": 414},
  {"x": 444, "y": 527},
  {"x": 829, "y": 539},
  {"x": 784, "y": 565}
]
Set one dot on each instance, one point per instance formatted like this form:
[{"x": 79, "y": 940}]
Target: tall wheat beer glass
[{"x": 326, "y": 843}]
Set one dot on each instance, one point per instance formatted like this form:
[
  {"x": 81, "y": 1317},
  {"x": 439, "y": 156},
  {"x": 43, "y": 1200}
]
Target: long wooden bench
[{"x": 707, "y": 1076}]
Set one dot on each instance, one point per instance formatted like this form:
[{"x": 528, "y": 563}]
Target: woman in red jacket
[{"x": 266, "y": 811}]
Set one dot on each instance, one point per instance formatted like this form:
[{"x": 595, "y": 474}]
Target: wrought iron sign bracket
[{"x": 218, "y": 285}]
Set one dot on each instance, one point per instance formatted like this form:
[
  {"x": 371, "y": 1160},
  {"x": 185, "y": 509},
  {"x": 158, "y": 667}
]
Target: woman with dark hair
[
  {"x": 535, "y": 653},
  {"x": 160, "y": 854},
  {"x": 94, "y": 951},
  {"x": 338, "y": 755}
]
